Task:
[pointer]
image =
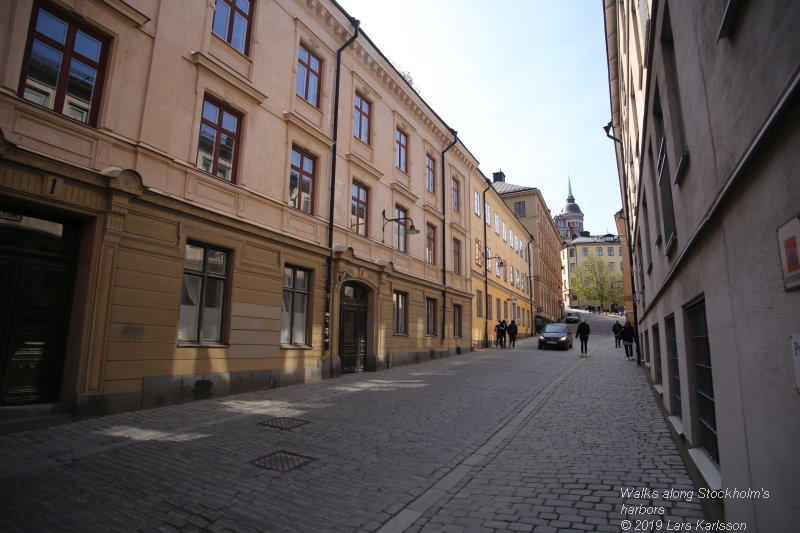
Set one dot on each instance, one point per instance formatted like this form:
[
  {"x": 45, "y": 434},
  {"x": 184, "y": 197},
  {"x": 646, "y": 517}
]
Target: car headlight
[
  {"x": 541, "y": 337},
  {"x": 563, "y": 339}
]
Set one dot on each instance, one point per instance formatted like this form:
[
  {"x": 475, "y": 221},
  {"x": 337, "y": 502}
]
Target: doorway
[
  {"x": 353, "y": 335},
  {"x": 36, "y": 281}
]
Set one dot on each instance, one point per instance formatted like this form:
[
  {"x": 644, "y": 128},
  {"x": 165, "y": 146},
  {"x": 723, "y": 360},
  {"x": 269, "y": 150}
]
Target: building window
[
  {"x": 205, "y": 275},
  {"x": 611, "y": 265},
  {"x": 488, "y": 259},
  {"x": 401, "y": 151},
  {"x": 301, "y": 181},
  {"x": 663, "y": 178},
  {"x": 430, "y": 174},
  {"x": 674, "y": 372},
  {"x": 431, "y": 305},
  {"x": 572, "y": 252},
  {"x": 620, "y": 251},
  {"x": 457, "y": 315},
  {"x": 308, "y": 76},
  {"x": 456, "y": 257},
  {"x": 657, "y": 353},
  {"x": 584, "y": 251},
  {"x": 400, "y": 313},
  {"x": 64, "y": 66},
  {"x": 610, "y": 251},
  {"x": 705, "y": 414},
  {"x": 511, "y": 268},
  {"x": 217, "y": 146},
  {"x": 477, "y": 203},
  {"x": 479, "y": 303},
  {"x": 361, "y": 119},
  {"x": 497, "y": 266},
  {"x": 647, "y": 346},
  {"x": 358, "y": 209},
  {"x": 430, "y": 244},
  {"x": 599, "y": 251},
  {"x": 400, "y": 237},
  {"x": 488, "y": 307},
  {"x": 455, "y": 186},
  {"x": 232, "y": 20},
  {"x": 488, "y": 213},
  {"x": 519, "y": 209},
  {"x": 505, "y": 232},
  {"x": 478, "y": 251},
  {"x": 497, "y": 224},
  {"x": 505, "y": 309},
  {"x": 294, "y": 313}
]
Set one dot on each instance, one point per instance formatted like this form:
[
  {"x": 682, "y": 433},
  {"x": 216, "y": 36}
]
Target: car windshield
[{"x": 555, "y": 328}]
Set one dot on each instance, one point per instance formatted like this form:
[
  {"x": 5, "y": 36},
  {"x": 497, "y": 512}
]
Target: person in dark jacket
[
  {"x": 627, "y": 336},
  {"x": 512, "y": 334},
  {"x": 500, "y": 332},
  {"x": 616, "y": 328},
  {"x": 583, "y": 334}
]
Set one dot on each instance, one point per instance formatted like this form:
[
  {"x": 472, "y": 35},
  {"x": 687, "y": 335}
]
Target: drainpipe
[
  {"x": 530, "y": 284},
  {"x": 629, "y": 239},
  {"x": 329, "y": 260},
  {"x": 485, "y": 274},
  {"x": 444, "y": 234}
]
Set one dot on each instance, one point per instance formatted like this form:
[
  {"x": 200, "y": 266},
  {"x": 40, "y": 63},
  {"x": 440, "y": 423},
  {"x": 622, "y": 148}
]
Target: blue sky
[{"x": 524, "y": 82}]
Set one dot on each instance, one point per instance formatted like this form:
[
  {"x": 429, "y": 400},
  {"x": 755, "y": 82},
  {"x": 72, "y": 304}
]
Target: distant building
[
  {"x": 570, "y": 221},
  {"x": 607, "y": 248},
  {"x": 530, "y": 209},
  {"x": 705, "y": 100}
]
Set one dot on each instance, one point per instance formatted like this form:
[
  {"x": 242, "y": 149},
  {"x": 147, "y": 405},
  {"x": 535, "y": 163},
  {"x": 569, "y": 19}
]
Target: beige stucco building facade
[
  {"x": 528, "y": 206},
  {"x": 704, "y": 100},
  {"x": 254, "y": 200},
  {"x": 606, "y": 248}
]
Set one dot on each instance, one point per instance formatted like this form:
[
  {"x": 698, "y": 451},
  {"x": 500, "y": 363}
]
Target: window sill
[
  {"x": 202, "y": 345},
  {"x": 400, "y": 334},
  {"x": 683, "y": 164},
  {"x": 707, "y": 468},
  {"x": 296, "y": 347},
  {"x": 672, "y": 242},
  {"x": 659, "y": 389},
  {"x": 677, "y": 424}
]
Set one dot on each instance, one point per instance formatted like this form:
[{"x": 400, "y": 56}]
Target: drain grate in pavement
[
  {"x": 282, "y": 461},
  {"x": 284, "y": 423}
]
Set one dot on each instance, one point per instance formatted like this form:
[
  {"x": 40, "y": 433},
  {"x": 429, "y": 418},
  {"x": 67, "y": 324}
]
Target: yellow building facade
[{"x": 502, "y": 265}]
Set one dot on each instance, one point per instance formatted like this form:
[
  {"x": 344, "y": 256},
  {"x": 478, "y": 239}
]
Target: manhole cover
[
  {"x": 284, "y": 423},
  {"x": 282, "y": 461}
]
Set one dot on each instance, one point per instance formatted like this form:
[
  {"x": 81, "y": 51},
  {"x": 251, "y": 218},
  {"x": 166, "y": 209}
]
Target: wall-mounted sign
[{"x": 789, "y": 246}]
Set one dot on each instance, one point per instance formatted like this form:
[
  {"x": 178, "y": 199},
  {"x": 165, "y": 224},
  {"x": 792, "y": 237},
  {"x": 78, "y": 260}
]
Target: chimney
[{"x": 498, "y": 176}]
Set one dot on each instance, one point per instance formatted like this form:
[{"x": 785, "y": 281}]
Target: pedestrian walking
[
  {"x": 627, "y": 335},
  {"x": 512, "y": 334},
  {"x": 500, "y": 334},
  {"x": 617, "y": 329},
  {"x": 583, "y": 334}
]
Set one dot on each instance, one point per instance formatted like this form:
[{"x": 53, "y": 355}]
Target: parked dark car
[
  {"x": 555, "y": 336},
  {"x": 572, "y": 318}
]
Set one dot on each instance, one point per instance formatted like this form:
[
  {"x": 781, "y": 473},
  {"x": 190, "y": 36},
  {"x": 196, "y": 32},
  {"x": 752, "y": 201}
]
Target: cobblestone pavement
[{"x": 495, "y": 440}]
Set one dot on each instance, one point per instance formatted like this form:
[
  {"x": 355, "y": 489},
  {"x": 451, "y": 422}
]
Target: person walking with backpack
[
  {"x": 628, "y": 335},
  {"x": 512, "y": 334},
  {"x": 617, "y": 329},
  {"x": 583, "y": 334},
  {"x": 500, "y": 334}
]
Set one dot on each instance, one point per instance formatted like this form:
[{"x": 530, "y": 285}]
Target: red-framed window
[
  {"x": 232, "y": 22},
  {"x": 400, "y": 236},
  {"x": 430, "y": 174},
  {"x": 359, "y": 203},
  {"x": 219, "y": 139},
  {"x": 301, "y": 181},
  {"x": 430, "y": 244},
  {"x": 309, "y": 72},
  {"x": 401, "y": 150},
  {"x": 65, "y": 63},
  {"x": 361, "y": 118}
]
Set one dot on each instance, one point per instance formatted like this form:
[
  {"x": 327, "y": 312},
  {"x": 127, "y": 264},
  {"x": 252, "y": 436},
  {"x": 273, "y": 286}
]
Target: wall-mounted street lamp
[{"x": 410, "y": 230}]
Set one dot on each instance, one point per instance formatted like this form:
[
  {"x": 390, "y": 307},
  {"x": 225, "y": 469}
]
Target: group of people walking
[
  {"x": 622, "y": 334},
  {"x": 501, "y": 330}
]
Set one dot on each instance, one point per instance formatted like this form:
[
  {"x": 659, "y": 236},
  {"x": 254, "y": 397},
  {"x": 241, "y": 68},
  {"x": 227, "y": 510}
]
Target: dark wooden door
[
  {"x": 353, "y": 330},
  {"x": 35, "y": 288}
]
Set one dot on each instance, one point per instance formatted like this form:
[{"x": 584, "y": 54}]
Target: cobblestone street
[{"x": 495, "y": 440}]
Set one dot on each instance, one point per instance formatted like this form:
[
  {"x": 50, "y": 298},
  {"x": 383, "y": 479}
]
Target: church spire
[{"x": 570, "y": 198}]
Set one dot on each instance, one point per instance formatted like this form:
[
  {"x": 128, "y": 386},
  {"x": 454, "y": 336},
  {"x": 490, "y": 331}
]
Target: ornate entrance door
[
  {"x": 353, "y": 329},
  {"x": 35, "y": 284}
]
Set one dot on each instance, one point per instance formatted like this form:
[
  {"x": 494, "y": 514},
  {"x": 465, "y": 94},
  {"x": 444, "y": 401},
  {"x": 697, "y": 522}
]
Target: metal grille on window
[
  {"x": 675, "y": 377},
  {"x": 703, "y": 379}
]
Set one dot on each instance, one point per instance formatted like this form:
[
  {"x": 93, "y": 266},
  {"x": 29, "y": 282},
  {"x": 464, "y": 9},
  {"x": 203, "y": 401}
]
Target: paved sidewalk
[{"x": 496, "y": 440}]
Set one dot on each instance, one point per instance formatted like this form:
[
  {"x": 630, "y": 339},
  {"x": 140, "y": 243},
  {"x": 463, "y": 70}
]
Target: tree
[
  {"x": 406, "y": 74},
  {"x": 595, "y": 282}
]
